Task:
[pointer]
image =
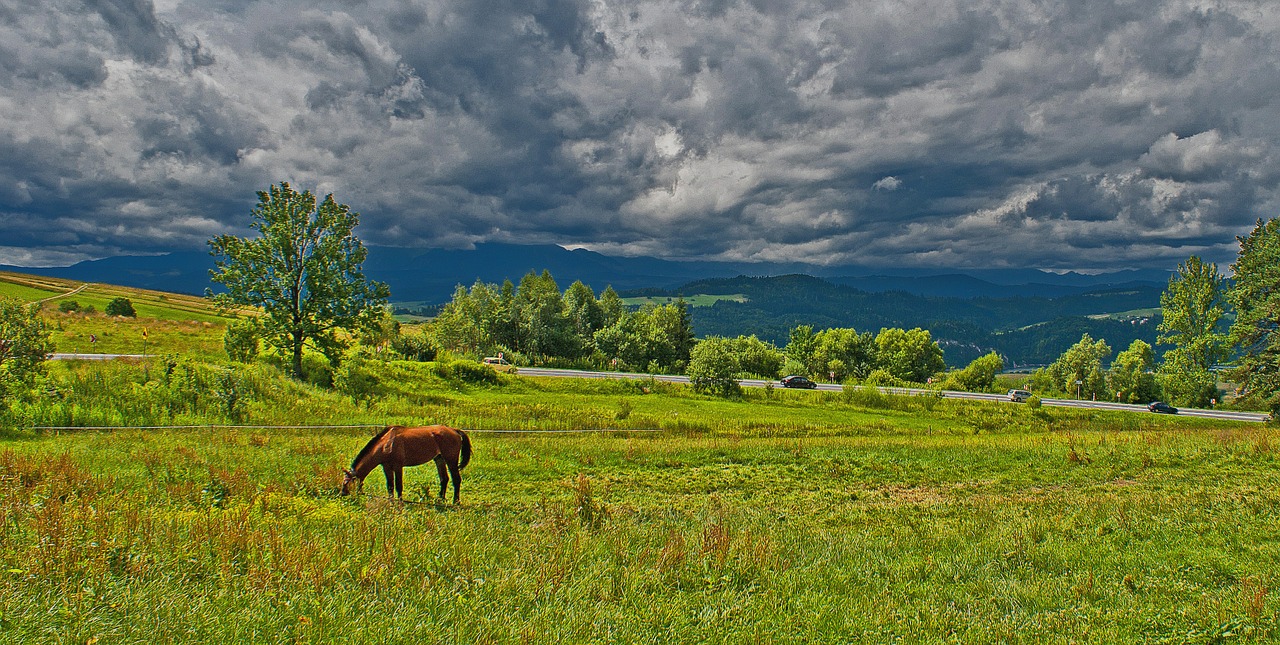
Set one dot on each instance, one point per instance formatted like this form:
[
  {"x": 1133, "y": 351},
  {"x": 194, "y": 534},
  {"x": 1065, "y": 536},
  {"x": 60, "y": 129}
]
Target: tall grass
[{"x": 644, "y": 539}]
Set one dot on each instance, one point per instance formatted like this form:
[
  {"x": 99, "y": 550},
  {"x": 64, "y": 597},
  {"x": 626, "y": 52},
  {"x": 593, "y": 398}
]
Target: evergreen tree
[{"x": 1255, "y": 295}]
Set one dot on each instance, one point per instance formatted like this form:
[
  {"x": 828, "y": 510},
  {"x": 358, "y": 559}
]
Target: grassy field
[
  {"x": 697, "y": 300},
  {"x": 789, "y": 517},
  {"x": 174, "y": 323}
]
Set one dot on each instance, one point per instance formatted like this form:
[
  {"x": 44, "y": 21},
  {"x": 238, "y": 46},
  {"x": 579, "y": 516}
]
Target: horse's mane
[{"x": 368, "y": 447}]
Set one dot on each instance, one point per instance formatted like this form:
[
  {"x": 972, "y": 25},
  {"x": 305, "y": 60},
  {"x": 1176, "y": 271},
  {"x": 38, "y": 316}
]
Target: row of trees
[
  {"x": 537, "y": 323},
  {"x": 1194, "y": 309}
]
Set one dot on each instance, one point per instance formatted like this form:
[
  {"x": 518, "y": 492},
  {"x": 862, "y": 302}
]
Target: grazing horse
[{"x": 397, "y": 447}]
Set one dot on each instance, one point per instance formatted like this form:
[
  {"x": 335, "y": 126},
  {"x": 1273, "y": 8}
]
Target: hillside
[{"x": 173, "y": 323}]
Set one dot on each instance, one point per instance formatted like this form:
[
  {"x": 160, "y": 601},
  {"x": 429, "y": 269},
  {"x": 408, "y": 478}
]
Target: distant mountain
[
  {"x": 181, "y": 272},
  {"x": 430, "y": 275}
]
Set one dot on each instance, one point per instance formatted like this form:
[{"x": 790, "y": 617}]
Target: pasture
[
  {"x": 695, "y": 300},
  {"x": 787, "y": 517}
]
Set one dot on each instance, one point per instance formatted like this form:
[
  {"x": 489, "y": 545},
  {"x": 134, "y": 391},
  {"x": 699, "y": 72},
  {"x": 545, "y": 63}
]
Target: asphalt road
[{"x": 1256, "y": 417}]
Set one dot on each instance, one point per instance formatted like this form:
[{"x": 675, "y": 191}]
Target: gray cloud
[{"x": 952, "y": 133}]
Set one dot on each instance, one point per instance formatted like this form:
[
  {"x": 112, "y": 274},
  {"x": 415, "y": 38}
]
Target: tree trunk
[{"x": 297, "y": 356}]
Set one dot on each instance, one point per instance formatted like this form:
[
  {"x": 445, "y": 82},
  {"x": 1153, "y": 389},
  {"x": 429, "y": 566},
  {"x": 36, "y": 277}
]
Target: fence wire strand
[{"x": 333, "y": 427}]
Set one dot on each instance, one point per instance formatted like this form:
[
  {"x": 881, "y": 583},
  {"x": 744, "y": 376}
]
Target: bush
[
  {"x": 354, "y": 379},
  {"x": 243, "y": 340},
  {"x": 464, "y": 371},
  {"x": 882, "y": 378},
  {"x": 68, "y": 306},
  {"x": 24, "y": 346},
  {"x": 121, "y": 306},
  {"x": 712, "y": 365},
  {"x": 415, "y": 347},
  {"x": 317, "y": 370}
]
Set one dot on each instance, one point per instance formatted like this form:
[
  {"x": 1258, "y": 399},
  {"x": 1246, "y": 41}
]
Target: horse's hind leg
[
  {"x": 444, "y": 475},
  {"x": 457, "y": 481}
]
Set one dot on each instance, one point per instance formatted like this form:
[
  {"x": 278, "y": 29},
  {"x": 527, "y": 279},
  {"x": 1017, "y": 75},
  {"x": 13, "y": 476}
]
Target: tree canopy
[
  {"x": 1255, "y": 295},
  {"x": 304, "y": 269}
]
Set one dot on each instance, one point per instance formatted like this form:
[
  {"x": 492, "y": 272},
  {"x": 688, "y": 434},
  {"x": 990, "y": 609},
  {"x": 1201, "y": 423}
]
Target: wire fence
[{"x": 332, "y": 427}]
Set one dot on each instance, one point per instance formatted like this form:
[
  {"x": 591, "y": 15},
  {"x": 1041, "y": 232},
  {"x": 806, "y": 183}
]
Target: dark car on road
[
  {"x": 1162, "y": 407},
  {"x": 798, "y": 381}
]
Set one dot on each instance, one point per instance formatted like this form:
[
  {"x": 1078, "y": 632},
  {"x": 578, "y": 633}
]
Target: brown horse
[{"x": 397, "y": 447}]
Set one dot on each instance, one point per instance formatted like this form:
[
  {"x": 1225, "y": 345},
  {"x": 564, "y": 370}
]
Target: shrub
[
  {"x": 243, "y": 340},
  {"x": 121, "y": 306},
  {"x": 68, "y": 306},
  {"x": 317, "y": 370},
  {"x": 24, "y": 346},
  {"x": 882, "y": 378},
  {"x": 464, "y": 371},
  {"x": 354, "y": 379},
  {"x": 712, "y": 365},
  {"x": 415, "y": 347},
  {"x": 230, "y": 394}
]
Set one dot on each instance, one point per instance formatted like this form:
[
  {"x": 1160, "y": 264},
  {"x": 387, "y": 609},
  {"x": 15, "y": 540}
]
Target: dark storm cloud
[{"x": 1086, "y": 135}]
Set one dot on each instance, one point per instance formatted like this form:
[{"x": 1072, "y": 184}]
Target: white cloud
[{"x": 889, "y": 183}]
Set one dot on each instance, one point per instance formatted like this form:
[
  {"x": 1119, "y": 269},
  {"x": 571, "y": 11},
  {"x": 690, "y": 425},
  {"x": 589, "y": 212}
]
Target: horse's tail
[{"x": 465, "y": 458}]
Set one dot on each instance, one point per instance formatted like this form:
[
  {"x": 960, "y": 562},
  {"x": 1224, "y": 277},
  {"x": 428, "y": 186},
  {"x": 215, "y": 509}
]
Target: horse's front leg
[
  {"x": 391, "y": 479},
  {"x": 444, "y": 475}
]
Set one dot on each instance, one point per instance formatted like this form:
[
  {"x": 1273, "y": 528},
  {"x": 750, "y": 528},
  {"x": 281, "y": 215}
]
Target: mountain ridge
[{"x": 430, "y": 275}]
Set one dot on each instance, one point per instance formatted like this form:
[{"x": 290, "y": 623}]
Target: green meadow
[
  {"x": 696, "y": 300},
  {"x": 615, "y": 512}
]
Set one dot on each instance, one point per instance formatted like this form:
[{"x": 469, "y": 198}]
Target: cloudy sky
[{"x": 1088, "y": 135}]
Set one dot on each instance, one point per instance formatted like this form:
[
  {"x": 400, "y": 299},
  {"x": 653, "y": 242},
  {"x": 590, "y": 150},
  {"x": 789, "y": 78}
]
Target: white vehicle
[
  {"x": 1019, "y": 396},
  {"x": 500, "y": 364}
]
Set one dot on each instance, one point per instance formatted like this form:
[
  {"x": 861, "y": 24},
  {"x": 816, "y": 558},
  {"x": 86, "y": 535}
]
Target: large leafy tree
[
  {"x": 304, "y": 269},
  {"x": 546, "y": 327},
  {"x": 1191, "y": 309},
  {"x": 585, "y": 312},
  {"x": 1256, "y": 298},
  {"x": 842, "y": 353},
  {"x": 979, "y": 375},
  {"x": 756, "y": 357},
  {"x": 1131, "y": 376},
  {"x": 801, "y": 350},
  {"x": 1079, "y": 369},
  {"x": 909, "y": 355}
]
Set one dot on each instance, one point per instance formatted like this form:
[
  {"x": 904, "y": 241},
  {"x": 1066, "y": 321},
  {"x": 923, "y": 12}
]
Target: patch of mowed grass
[{"x": 778, "y": 517}]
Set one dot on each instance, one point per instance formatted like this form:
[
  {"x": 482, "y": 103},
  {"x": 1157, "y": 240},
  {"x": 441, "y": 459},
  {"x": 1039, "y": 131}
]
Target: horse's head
[{"x": 348, "y": 478}]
